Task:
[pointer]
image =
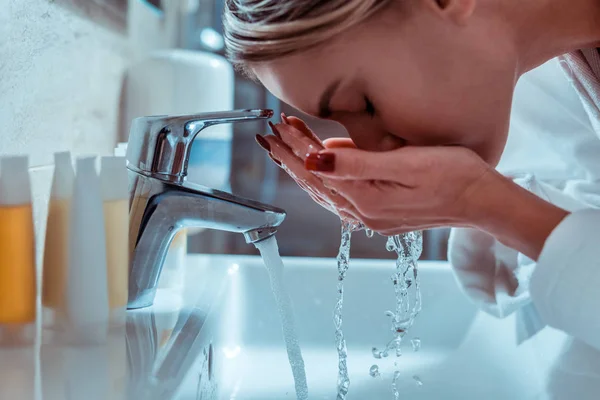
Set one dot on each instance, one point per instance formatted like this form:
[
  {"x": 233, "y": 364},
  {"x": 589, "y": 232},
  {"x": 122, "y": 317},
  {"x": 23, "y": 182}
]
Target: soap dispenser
[{"x": 17, "y": 254}]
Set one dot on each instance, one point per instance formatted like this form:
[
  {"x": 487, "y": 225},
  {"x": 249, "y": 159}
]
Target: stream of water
[
  {"x": 408, "y": 248},
  {"x": 343, "y": 261},
  {"x": 407, "y": 289},
  {"x": 405, "y": 279},
  {"x": 274, "y": 264}
]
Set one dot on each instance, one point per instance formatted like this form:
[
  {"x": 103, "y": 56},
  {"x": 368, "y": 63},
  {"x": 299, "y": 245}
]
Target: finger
[
  {"x": 302, "y": 127},
  {"x": 406, "y": 229},
  {"x": 348, "y": 213},
  {"x": 295, "y": 168},
  {"x": 358, "y": 164},
  {"x": 282, "y": 152},
  {"x": 339, "y": 143},
  {"x": 297, "y": 141},
  {"x": 323, "y": 204},
  {"x": 276, "y": 161},
  {"x": 316, "y": 196}
]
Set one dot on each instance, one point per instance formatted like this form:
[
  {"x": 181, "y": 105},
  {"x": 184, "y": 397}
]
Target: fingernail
[
  {"x": 275, "y": 130},
  {"x": 279, "y": 164},
  {"x": 263, "y": 142},
  {"x": 284, "y": 119},
  {"x": 320, "y": 162}
]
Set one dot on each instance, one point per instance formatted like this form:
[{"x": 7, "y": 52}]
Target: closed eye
[{"x": 369, "y": 107}]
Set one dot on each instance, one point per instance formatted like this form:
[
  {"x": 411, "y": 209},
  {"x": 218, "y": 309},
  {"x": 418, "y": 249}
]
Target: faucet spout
[{"x": 159, "y": 210}]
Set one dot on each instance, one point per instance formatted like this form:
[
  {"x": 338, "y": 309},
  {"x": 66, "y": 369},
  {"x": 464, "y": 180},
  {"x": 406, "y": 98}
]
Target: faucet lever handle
[{"x": 159, "y": 146}]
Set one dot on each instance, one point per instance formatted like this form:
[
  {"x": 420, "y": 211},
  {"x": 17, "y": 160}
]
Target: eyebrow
[{"x": 324, "y": 110}]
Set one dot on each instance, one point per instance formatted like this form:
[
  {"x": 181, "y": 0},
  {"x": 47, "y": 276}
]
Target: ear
[{"x": 458, "y": 11}]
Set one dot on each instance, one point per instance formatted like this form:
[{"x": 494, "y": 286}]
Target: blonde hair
[{"x": 263, "y": 30}]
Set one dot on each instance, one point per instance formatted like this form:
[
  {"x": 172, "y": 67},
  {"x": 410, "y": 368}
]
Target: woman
[{"x": 424, "y": 88}]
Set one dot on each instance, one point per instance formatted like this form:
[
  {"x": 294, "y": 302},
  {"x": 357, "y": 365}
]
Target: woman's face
[{"x": 422, "y": 75}]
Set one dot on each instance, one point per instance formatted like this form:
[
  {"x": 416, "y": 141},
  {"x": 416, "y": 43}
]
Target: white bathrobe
[
  {"x": 553, "y": 151},
  {"x": 564, "y": 285}
]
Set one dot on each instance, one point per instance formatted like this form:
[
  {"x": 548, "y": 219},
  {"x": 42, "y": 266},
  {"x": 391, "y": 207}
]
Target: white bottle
[
  {"x": 56, "y": 250},
  {"x": 115, "y": 197},
  {"x": 87, "y": 293}
]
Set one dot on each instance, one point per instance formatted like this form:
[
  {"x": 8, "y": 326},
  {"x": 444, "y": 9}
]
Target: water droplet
[
  {"x": 390, "y": 245},
  {"x": 396, "y": 364},
  {"x": 374, "y": 371},
  {"x": 418, "y": 380},
  {"x": 398, "y": 351},
  {"x": 416, "y": 344},
  {"x": 376, "y": 353},
  {"x": 369, "y": 232},
  {"x": 390, "y": 314}
]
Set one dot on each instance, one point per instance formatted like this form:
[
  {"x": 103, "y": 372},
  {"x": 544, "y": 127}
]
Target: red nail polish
[
  {"x": 279, "y": 164},
  {"x": 284, "y": 119},
  {"x": 263, "y": 142},
  {"x": 275, "y": 130},
  {"x": 320, "y": 162}
]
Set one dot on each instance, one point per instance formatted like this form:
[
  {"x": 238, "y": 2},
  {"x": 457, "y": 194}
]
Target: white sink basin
[
  {"x": 221, "y": 339},
  {"x": 233, "y": 347}
]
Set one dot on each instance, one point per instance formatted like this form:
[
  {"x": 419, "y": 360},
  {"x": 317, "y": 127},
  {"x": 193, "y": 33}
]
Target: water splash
[
  {"x": 416, "y": 344},
  {"x": 408, "y": 248},
  {"x": 374, "y": 371},
  {"x": 395, "y": 385},
  {"x": 379, "y": 353},
  {"x": 405, "y": 279},
  {"x": 418, "y": 380},
  {"x": 270, "y": 253},
  {"x": 343, "y": 260}
]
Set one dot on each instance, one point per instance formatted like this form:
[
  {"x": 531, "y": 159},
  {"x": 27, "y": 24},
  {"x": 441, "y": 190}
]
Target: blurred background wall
[{"x": 64, "y": 68}]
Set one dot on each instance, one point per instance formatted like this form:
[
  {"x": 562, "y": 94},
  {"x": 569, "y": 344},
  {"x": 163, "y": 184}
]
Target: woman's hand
[
  {"x": 413, "y": 188},
  {"x": 403, "y": 190},
  {"x": 289, "y": 146},
  {"x": 407, "y": 189}
]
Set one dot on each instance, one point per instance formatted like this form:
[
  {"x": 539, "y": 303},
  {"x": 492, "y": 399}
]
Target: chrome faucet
[{"x": 162, "y": 202}]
